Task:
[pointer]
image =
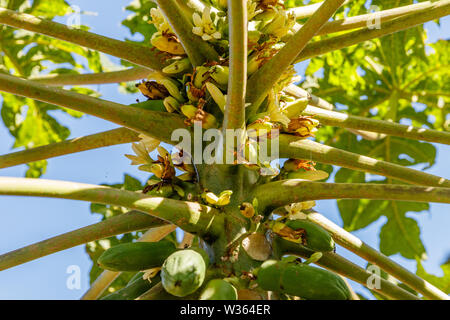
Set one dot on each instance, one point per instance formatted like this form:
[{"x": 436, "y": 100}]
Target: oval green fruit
[
  {"x": 313, "y": 283},
  {"x": 269, "y": 275},
  {"x": 183, "y": 272},
  {"x": 302, "y": 280},
  {"x": 316, "y": 238},
  {"x": 136, "y": 256},
  {"x": 218, "y": 289}
]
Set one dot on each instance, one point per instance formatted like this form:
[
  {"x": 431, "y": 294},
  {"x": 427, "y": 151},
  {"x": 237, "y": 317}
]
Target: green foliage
[
  {"x": 33, "y": 123},
  {"x": 138, "y": 21},
  {"x": 383, "y": 79},
  {"x": 442, "y": 283}
]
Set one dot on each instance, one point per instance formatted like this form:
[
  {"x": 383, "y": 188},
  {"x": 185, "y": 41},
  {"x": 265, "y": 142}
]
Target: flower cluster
[{"x": 200, "y": 93}]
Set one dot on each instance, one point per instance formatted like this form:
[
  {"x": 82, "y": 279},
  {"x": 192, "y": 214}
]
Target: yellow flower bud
[
  {"x": 167, "y": 43},
  {"x": 157, "y": 169},
  {"x": 224, "y": 198},
  {"x": 217, "y": 95},
  {"x": 220, "y": 74},
  {"x": 247, "y": 210},
  {"x": 189, "y": 110},
  {"x": 171, "y": 104},
  {"x": 178, "y": 66},
  {"x": 211, "y": 198}
]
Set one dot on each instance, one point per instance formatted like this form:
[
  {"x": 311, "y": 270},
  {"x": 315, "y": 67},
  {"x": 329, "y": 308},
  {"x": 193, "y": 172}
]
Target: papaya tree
[{"x": 248, "y": 144}]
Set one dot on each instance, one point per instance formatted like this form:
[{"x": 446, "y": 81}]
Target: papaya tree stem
[
  {"x": 132, "y": 52},
  {"x": 234, "y": 115},
  {"x": 292, "y": 147},
  {"x": 107, "y": 277},
  {"x": 284, "y": 192},
  {"x": 339, "y": 119},
  {"x": 60, "y": 80},
  {"x": 90, "y": 142},
  {"x": 124, "y": 223},
  {"x": 305, "y": 11},
  {"x": 198, "y": 50},
  {"x": 383, "y": 16},
  {"x": 155, "y": 124},
  {"x": 352, "y": 243},
  {"x": 190, "y": 216},
  {"x": 438, "y": 10},
  {"x": 262, "y": 81},
  {"x": 348, "y": 269}
]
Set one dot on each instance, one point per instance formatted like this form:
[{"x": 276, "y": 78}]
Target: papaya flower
[
  {"x": 149, "y": 142},
  {"x": 303, "y": 126},
  {"x": 252, "y": 9},
  {"x": 159, "y": 21},
  {"x": 204, "y": 26},
  {"x": 142, "y": 149}
]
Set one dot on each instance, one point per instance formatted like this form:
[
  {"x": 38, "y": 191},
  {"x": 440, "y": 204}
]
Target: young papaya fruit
[
  {"x": 133, "y": 289},
  {"x": 316, "y": 238},
  {"x": 219, "y": 289},
  {"x": 313, "y": 283},
  {"x": 183, "y": 272},
  {"x": 302, "y": 280},
  {"x": 136, "y": 256},
  {"x": 269, "y": 275}
]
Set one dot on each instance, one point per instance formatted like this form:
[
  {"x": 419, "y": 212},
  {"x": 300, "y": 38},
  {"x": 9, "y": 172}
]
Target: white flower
[
  {"x": 252, "y": 11},
  {"x": 159, "y": 21},
  {"x": 150, "y": 273},
  {"x": 275, "y": 112},
  {"x": 142, "y": 154},
  {"x": 149, "y": 142},
  {"x": 204, "y": 26},
  {"x": 294, "y": 210},
  {"x": 281, "y": 24}
]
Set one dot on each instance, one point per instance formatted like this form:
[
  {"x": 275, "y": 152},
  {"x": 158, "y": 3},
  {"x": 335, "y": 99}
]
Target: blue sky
[{"x": 29, "y": 220}]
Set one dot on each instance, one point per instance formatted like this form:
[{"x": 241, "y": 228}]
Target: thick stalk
[
  {"x": 300, "y": 93},
  {"x": 352, "y": 243},
  {"x": 156, "y": 124},
  {"x": 191, "y": 6},
  {"x": 292, "y": 147},
  {"x": 107, "y": 277},
  {"x": 348, "y": 269},
  {"x": 308, "y": 10},
  {"x": 339, "y": 119},
  {"x": 438, "y": 10},
  {"x": 130, "y": 74},
  {"x": 124, "y": 223},
  {"x": 190, "y": 216},
  {"x": 234, "y": 117},
  {"x": 93, "y": 141},
  {"x": 262, "y": 81},
  {"x": 315, "y": 101},
  {"x": 199, "y": 51},
  {"x": 132, "y": 52},
  {"x": 98, "y": 287},
  {"x": 284, "y": 192},
  {"x": 381, "y": 16}
]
